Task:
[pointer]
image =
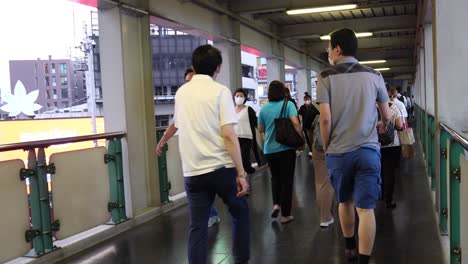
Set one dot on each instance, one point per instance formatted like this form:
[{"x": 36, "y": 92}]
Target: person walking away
[
  {"x": 307, "y": 113},
  {"x": 390, "y": 159},
  {"x": 347, "y": 93},
  {"x": 323, "y": 188},
  {"x": 168, "y": 134},
  {"x": 210, "y": 154},
  {"x": 281, "y": 159},
  {"x": 393, "y": 93}
]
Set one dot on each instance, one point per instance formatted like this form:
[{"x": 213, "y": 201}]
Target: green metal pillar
[
  {"x": 444, "y": 136},
  {"x": 120, "y": 179},
  {"x": 109, "y": 158},
  {"x": 455, "y": 177},
  {"x": 164, "y": 184},
  {"x": 42, "y": 170},
  {"x": 35, "y": 202}
]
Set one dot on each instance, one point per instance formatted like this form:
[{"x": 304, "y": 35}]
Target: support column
[
  {"x": 275, "y": 70},
  {"x": 303, "y": 85},
  {"x": 128, "y": 101},
  {"x": 229, "y": 45},
  {"x": 231, "y": 69},
  {"x": 451, "y": 54}
]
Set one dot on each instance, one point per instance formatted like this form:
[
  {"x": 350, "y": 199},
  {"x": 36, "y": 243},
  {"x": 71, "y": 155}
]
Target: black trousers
[
  {"x": 307, "y": 139},
  {"x": 390, "y": 159},
  {"x": 282, "y": 165},
  {"x": 246, "y": 147}
]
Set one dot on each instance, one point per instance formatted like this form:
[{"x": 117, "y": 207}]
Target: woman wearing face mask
[
  {"x": 245, "y": 129},
  {"x": 307, "y": 113}
]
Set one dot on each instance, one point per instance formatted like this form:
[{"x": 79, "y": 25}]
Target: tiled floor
[{"x": 408, "y": 234}]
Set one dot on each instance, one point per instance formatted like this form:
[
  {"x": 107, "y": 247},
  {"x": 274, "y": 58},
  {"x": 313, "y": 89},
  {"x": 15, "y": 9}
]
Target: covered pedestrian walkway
[{"x": 407, "y": 234}]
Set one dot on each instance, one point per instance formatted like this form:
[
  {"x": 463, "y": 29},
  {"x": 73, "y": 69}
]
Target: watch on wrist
[{"x": 244, "y": 175}]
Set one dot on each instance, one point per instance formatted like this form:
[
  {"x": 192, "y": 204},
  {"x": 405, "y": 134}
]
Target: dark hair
[
  {"x": 346, "y": 39},
  {"x": 242, "y": 91},
  {"x": 205, "y": 60},
  {"x": 189, "y": 70},
  {"x": 307, "y": 96},
  {"x": 276, "y": 91}
]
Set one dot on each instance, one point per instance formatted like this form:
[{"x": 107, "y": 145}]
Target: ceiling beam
[
  {"x": 358, "y": 25},
  {"x": 249, "y": 6},
  {"x": 280, "y": 13},
  {"x": 372, "y": 43}
]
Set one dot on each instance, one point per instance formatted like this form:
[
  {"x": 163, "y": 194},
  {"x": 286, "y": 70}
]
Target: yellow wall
[{"x": 32, "y": 130}]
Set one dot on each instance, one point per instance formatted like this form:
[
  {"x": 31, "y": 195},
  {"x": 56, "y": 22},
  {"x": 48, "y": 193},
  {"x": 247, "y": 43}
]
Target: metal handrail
[
  {"x": 455, "y": 135},
  {"x": 58, "y": 141}
]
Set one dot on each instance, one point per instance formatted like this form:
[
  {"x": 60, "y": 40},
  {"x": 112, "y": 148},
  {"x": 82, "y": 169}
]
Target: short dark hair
[
  {"x": 346, "y": 39},
  {"x": 307, "y": 96},
  {"x": 205, "y": 60},
  {"x": 242, "y": 91},
  {"x": 276, "y": 91},
  {"x": 189, "y": 70}
]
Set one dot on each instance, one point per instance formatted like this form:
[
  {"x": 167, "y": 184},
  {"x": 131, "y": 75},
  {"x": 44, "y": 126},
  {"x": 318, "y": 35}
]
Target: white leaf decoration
[{"x": 21, "y": 102}]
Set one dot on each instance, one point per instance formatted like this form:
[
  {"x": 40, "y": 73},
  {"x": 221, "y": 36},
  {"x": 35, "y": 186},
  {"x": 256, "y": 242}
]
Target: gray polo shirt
[{"x": 352, "y": 91}]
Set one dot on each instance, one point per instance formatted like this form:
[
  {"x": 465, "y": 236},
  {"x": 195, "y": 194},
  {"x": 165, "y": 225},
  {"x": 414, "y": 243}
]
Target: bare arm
[
  {"x": 386, "y": 115},
  {"x": 232, "y": 145},
  {"x": 261, "y": 130},
  {"x": 325, "y": 125},
  {"x": 399, "y": 123},
  {"x": 170, "y": 131}
]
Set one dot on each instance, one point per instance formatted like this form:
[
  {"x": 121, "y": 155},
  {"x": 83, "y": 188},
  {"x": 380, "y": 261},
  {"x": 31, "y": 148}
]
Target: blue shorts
[{"x": 356, "y": 174}]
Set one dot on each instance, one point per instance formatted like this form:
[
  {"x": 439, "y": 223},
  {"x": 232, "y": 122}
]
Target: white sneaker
[
  {"x": 310, "y": 154},
  {"x": 327, "y": 223},
  {"x": 213, "y": 220}
]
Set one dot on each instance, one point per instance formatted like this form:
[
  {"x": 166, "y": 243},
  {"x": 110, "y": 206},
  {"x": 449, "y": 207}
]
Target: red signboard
[
  {"x": 262, "y": 72},
  {"x": 92, "y": 3}
]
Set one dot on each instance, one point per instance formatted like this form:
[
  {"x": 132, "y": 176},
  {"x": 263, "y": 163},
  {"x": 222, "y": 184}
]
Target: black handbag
[
  {"x": 389, "y": 136},
  {"x": 285, "y": 132}
]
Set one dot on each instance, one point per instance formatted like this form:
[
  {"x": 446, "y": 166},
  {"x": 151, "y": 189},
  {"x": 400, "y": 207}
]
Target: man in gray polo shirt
[{"x": 348, "y": 93}]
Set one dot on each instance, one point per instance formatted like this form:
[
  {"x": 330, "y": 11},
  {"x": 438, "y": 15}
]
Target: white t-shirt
[
  {"x": 400, "y": 106},
  {"x": 202, "y": 107},
  {"x": 395, "y": 115},
  {"x": 243, "y": 128}
]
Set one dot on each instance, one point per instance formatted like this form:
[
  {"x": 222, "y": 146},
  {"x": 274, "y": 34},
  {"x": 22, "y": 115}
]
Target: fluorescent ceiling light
[
  {"x": 321, "y": 9},
  {"x": 359, "y": 35},
  {"x": 382, "y": 69},
  {"x": 372, "y": 62}
]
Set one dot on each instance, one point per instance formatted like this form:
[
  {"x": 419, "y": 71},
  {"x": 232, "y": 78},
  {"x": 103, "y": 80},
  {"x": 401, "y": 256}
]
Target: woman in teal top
[{"x": 281, "y": 159}]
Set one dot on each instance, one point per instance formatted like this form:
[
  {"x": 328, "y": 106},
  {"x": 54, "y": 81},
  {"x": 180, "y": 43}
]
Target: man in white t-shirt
[
  {"x": 393, "y": 92},
  {"x": 210, "y": 153}
]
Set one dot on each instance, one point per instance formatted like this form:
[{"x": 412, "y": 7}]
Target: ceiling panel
[
  {"x": 379, "y": 11},
  {"x": 327, "y": 17},
  {"x": 368, "y": 12}
]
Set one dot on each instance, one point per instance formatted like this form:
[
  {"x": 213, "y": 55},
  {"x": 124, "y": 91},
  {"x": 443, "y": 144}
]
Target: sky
[{"x": 32, "y": 29}]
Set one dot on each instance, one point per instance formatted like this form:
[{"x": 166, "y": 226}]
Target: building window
[
  {"x": 54, "y": 94},
  {"x": 48, "y": 105},
  {"x": 63, "y": 68},
  {"x": 54, "y": 81},
  {"x": 55, "y": 104},
  {"x": 247, "y": 71},
  {"x": 53, "y": 67},
  {"x": 63, "y": 80},
  {"x": 64, "y": 104},
  {"x": 47, "y": 81},
  {"x": 159, "y": 90},
  {"x": 46, "y": 68},
  {"x": 64, "y": 93}
]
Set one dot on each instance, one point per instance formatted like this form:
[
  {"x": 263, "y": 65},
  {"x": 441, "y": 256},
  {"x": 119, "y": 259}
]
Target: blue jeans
[
  {"x": 356, "y": 173},
  {"x": 201, "y": 191}
]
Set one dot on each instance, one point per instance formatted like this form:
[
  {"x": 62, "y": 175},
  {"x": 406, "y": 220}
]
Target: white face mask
[
  {"x": 307, "y": 102},
  {"x": 239, "y": 100}
]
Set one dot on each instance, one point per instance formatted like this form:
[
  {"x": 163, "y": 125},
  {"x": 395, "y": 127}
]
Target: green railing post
[
  {"x": 455, "y": 150},
  {"x": 110, "y": 159},
  {"x": 443, "y": 212},
  {"x": 164, "y": 184},
  {"x": 431, "y": 151},
  {"x": 120, "y": 179},
  {"x": 42, "y": 170},
  {"x": 35, "y": 203}
]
